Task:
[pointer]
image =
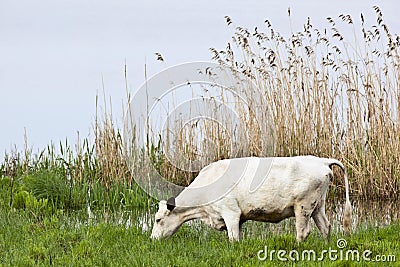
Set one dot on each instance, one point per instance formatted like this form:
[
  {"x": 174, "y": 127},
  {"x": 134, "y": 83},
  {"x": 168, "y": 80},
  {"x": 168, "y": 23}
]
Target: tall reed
[
  {"x": 328, "y": 96},
  {"x": 314, "y": 92}
]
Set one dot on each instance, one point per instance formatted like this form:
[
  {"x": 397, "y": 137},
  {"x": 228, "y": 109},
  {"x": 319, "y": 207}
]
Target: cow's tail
[{"x": 347, "y": 207}]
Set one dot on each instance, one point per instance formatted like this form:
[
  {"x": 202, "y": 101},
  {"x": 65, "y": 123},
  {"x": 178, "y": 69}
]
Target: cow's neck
[
  {"x": 191, "y": 213},
  {"x": 188, "y": 211}
]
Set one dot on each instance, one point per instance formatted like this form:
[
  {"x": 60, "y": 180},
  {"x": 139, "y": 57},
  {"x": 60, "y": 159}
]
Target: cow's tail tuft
[{"x": 347, "y": 207}]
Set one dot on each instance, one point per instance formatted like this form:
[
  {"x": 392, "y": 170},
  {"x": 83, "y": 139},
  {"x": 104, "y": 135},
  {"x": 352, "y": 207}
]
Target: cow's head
[{"x": 167, "y": 220}]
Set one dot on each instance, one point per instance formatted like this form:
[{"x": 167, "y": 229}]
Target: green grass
[
  {"x": 46, "y": 191},
  {"x": 65, "y": 239}
]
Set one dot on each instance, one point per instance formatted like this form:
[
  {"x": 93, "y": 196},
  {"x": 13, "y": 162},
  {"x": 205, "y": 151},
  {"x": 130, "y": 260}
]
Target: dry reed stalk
[{"x": 324, "y": 98}]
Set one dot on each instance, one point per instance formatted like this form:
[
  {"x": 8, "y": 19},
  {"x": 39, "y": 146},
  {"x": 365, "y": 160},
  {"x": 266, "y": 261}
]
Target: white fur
[{"x": 293, "y": 186}]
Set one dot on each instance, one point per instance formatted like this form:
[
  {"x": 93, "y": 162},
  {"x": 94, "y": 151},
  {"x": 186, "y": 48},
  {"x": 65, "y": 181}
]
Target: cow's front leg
[{"x": 232, "y": 222}]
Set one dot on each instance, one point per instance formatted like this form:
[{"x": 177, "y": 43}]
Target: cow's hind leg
[
  {"x": 303, "y": 215},
  {"x": 321, "y": 221}
]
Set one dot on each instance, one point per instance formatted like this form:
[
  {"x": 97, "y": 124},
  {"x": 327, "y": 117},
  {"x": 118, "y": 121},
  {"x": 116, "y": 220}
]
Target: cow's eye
[{"x": 158, "y": 220}]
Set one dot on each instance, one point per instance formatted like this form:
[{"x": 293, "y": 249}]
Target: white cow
[{"x": 229, "y": 192}]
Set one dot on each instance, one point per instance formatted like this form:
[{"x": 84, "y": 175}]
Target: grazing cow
[{"x": 229, "y": 192}]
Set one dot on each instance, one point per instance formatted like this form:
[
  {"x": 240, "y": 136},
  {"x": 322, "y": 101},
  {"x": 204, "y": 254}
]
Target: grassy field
[
  {"x": 79, "y": 205},
  {"x": 70, "y": 239}
]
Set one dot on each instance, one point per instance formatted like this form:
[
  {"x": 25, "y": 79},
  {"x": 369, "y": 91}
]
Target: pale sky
[{"x": 54, "y": 54}]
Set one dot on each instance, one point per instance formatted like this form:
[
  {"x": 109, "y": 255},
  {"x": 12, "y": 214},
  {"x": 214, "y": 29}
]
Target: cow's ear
[{"x": 171, "y": 203}]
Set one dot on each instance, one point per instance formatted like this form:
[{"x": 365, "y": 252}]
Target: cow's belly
[{"x": 268, "y": 215}]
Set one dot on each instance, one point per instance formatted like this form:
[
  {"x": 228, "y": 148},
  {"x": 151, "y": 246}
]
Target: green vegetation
[{"x": 80, "y": 205}]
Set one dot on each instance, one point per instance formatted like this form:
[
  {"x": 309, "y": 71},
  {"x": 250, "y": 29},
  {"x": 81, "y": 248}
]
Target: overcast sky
[{"x": 54, "y": 54}]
